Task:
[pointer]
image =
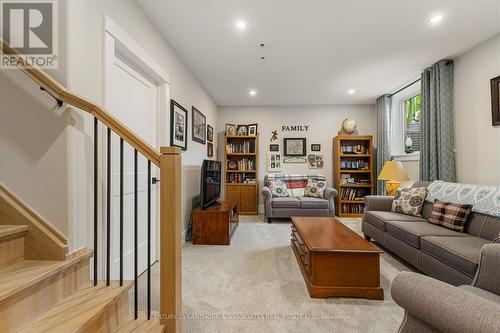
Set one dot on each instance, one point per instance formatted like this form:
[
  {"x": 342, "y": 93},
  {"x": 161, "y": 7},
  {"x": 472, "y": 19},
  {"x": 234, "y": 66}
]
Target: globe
[{"x": 349, "y": 126}]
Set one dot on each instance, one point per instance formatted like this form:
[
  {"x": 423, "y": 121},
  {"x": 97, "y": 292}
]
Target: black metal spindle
[
  {"x": 96, "y": 127},
  {"x": 121, "y": 212},
  {"x": 108, "y": 211},
  {"x": 136, "y": 252},
  {"x": 149, "y": 243}
]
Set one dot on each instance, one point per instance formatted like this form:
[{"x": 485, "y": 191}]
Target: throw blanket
[{"x": 484, "y": 199}]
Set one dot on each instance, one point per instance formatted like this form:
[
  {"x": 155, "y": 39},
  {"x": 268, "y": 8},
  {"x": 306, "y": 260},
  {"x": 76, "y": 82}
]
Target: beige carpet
[{"x": 255, "y": 285}]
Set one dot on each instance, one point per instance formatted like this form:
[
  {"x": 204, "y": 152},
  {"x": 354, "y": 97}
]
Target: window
[
  {"x": 405, "y": 123},
  {"x": 411, "y": 108}
]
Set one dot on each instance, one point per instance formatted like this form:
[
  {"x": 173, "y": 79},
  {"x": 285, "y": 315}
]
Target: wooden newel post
[{"x": 170, "y": 238}]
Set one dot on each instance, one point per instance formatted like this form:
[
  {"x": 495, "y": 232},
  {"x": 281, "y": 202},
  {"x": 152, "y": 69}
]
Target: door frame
[{"x": 117, "y": 43}]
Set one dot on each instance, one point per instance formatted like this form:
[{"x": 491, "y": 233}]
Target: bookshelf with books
[
  {"x": 352, "y": 173},
  {"x": 241, "y": 161}
]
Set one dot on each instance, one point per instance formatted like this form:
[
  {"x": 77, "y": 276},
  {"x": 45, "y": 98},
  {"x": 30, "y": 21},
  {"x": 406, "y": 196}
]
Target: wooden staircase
[
  {"x": 45, "y": 289},
  {"x": 40, "y": 294}
]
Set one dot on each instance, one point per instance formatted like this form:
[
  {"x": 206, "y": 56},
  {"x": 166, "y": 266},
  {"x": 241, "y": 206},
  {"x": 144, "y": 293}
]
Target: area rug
[{"x": 255, "y": 285}]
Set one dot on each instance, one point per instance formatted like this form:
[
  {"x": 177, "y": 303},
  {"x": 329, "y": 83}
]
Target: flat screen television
[{"x": 211, "y": 173}]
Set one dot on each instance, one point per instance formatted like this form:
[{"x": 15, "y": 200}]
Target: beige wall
[
  {"x": 324, "y": 123},
  {"x": 477, "y": 142},
  {"x": 34, "y": 138}
]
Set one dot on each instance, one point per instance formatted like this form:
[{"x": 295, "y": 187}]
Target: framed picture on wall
[
  {"x": 274, "y": 147},
  {"x": 295, "y": 146},
  {"x": 311, "y": 162},
  {"x": 178, "y": 125},
  {"x": 315, "y": 147},
  {"x": 198, "y": 126},
  {"x": 495, "y": 101},
  {"x": 210, "y": 149},
  {"x": 274, "y": 162},
  {"x": 210, "y": 133}
]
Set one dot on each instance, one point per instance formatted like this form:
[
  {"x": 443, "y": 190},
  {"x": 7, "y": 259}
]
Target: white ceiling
[{"x": 318, "y": 49}]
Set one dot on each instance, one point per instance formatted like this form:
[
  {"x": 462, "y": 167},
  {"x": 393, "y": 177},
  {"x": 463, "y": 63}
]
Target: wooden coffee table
[{"x": 334, "y": 260}]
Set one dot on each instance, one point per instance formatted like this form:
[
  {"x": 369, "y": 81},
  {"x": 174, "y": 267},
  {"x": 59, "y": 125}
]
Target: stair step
[
  {"x": 141, "y": 325},
  {"x": 10, "y": 230},
  {"x": 93, "y": 309},
  {"x": 20, "y": 276},
  {"x": 12, "y": 243},
  {"x": 34, "y": 286}
]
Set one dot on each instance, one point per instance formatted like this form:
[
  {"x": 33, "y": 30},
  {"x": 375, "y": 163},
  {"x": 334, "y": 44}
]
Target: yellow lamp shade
[{"x": 393, "y": 170}]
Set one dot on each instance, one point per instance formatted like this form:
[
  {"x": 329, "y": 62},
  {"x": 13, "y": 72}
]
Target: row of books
[
  {"x": 354, "y": 165},
  {"x": 351, "y": 194},
  {"x": 245, "y": 147},
  {"x": 354, "y": 149},
  {"x": 353, "y": 208},
  {"x": 239, "y": 178},
  {"x": 243, "y": 164},
  {"x": 346, "y": 178}
]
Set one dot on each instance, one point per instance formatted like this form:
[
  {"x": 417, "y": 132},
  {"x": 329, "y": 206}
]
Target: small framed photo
[
  {"x": 315, "y": 147},
  {"x": 274, "y": 147},
  {"x": 210, "y": 149},
  {"x": 311, "y": 161},
  {"x": 242, "y": 130},
  {"x": 319, "y": 161},
  {"x": 495, "y": 101},
  {"x": 295, "y": 147},
  {"x": 178, "y": 125},
  {"x": 198, "y": 126},
  {"x": 274, "y": 162},
  {"x": 252, "y": 129},
  {"x": 210, "y": 133},
  {"x": 230, "y": 129}
]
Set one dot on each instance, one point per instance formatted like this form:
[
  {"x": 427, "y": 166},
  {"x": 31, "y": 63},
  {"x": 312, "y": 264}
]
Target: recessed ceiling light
[
  {"x": 241, "y": 25},
  {"x": 252, "y": 92},
  {"x": 436, "y": 19},
  {"x": 351, "y": 91}
]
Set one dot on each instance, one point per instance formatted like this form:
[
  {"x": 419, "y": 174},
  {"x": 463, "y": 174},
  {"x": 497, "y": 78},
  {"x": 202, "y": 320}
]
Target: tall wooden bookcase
[
  {"x": 353, "y": 174},
  {"x": 241, "y": 159}
]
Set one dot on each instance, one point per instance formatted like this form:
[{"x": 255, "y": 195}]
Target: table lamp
[{"x": 393, "y": 172}]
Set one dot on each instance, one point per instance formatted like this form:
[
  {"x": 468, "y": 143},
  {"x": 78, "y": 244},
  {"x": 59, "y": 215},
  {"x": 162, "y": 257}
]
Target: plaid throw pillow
[
  {"x": 278, "y": 189},
  {"x": 315, "y": 189},
  {"x": 409, "y": 201},
  {"x": 450, "y": 215}
]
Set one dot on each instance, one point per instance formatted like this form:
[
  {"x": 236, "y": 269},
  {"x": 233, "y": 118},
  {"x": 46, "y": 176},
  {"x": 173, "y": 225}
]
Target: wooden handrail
[
  {"x": 168, "y": 159},
  {"x": 60, "y": 92}
]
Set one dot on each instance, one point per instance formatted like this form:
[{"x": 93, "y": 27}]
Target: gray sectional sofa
[
  {"x": 441, "y": 253},
  {"x": 434, "y": 306},
  {"x": 298, "y": 205}
]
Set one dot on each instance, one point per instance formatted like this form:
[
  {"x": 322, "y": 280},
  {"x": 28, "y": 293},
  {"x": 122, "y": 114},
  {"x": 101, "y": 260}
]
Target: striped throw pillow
[{"x": 450, "y": 215}]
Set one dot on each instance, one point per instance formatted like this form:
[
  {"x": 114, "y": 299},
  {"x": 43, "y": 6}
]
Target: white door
[{"x": 132, "y": 98}]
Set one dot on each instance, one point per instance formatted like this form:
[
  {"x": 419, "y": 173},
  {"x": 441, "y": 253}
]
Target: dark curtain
[{"x": 437, "y": 154}]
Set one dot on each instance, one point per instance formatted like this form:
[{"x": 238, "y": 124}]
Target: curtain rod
[{"x": 407, "y": 86}]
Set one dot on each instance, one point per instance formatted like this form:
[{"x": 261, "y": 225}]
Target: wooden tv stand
[{"x": 215, "y": 225}]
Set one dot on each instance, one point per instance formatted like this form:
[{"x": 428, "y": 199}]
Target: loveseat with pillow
[
  {"x": 297, "y": 195},
  {"x": 445, "y": 254}
]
